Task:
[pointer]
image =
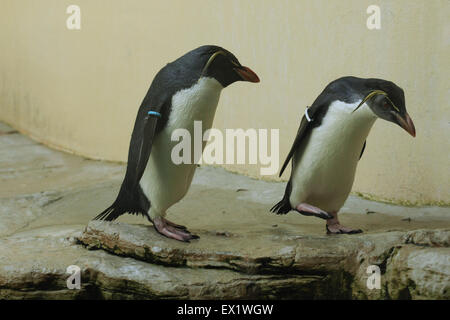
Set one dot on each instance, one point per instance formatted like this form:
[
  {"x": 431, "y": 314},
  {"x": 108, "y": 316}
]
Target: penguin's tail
[
  {"x": 284, "y": 206},
  {"x": 281, "y": 207},
  {"x": 111, "y": 213},
  {"x": 126, "y": 202}
]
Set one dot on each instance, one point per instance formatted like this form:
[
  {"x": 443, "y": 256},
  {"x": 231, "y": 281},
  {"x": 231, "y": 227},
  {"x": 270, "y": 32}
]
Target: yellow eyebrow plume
[
  {"x": 372, "y": 94},
  {"x": 215, "y": 54}
]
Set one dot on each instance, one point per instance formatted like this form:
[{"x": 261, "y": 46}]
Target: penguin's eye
[{"x": 386, "y": 105}]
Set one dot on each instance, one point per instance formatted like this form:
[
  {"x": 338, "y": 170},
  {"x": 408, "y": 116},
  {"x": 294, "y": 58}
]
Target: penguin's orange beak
[
  {"x": 406, "y": 123},
  {"x": 247, "y": 74}
]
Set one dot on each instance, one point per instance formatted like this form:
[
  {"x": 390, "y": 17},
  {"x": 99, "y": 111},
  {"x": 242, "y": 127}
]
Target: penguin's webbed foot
[
  {"x": 334, "y": 227},
  {"x": 309, "y": 210},
  {"x": 172, "y": 230}
]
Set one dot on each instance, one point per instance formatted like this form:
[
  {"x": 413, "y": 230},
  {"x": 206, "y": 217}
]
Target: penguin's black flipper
[
  {"x": 140, "y": 152},
  {"x": 363, "y": 148},
  {"x": 131, "y": 198},
  {"x": 315, "y": 115},
  {"x": 298, "y": 139}
]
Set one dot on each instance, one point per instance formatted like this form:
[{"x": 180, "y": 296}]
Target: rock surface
[
  {"x": 47, "y": 199},
  {"x": 337, "y": 263}
]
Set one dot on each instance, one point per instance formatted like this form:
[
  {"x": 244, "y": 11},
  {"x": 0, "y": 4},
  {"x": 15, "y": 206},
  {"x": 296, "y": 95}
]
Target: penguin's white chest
[
  {"x": 325, "y": 164},
  {"x": 164, "y": 182}
]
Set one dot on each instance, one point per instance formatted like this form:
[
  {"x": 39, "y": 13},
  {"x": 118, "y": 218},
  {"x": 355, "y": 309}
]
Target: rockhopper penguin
[
  {"x": 184, "y": 91},
  {"x": 330, "y": 141}
]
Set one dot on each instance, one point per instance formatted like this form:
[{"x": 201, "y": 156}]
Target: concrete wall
[{"x": 80, "y": 90}]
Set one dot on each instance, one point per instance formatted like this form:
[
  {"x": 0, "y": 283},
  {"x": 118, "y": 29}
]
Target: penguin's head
[
  {"x": 223, "y": 66},
  {"x": 387, "y": 101}
]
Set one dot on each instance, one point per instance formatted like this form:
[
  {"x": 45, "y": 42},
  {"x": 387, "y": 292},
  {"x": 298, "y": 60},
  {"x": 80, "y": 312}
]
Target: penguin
[
  {"x": 184, "y": 91},
  {"x": 330, "y": 141}
]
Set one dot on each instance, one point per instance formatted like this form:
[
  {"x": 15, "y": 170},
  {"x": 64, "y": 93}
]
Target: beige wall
[{"x": 80, "y": 90}]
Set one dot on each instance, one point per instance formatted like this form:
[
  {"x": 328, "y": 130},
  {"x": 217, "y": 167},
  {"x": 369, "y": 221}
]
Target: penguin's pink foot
[
  {"x": 172, "y": 230},
  {"x": 309, "y": 210},
  {"x": 334, "y": 227}
]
